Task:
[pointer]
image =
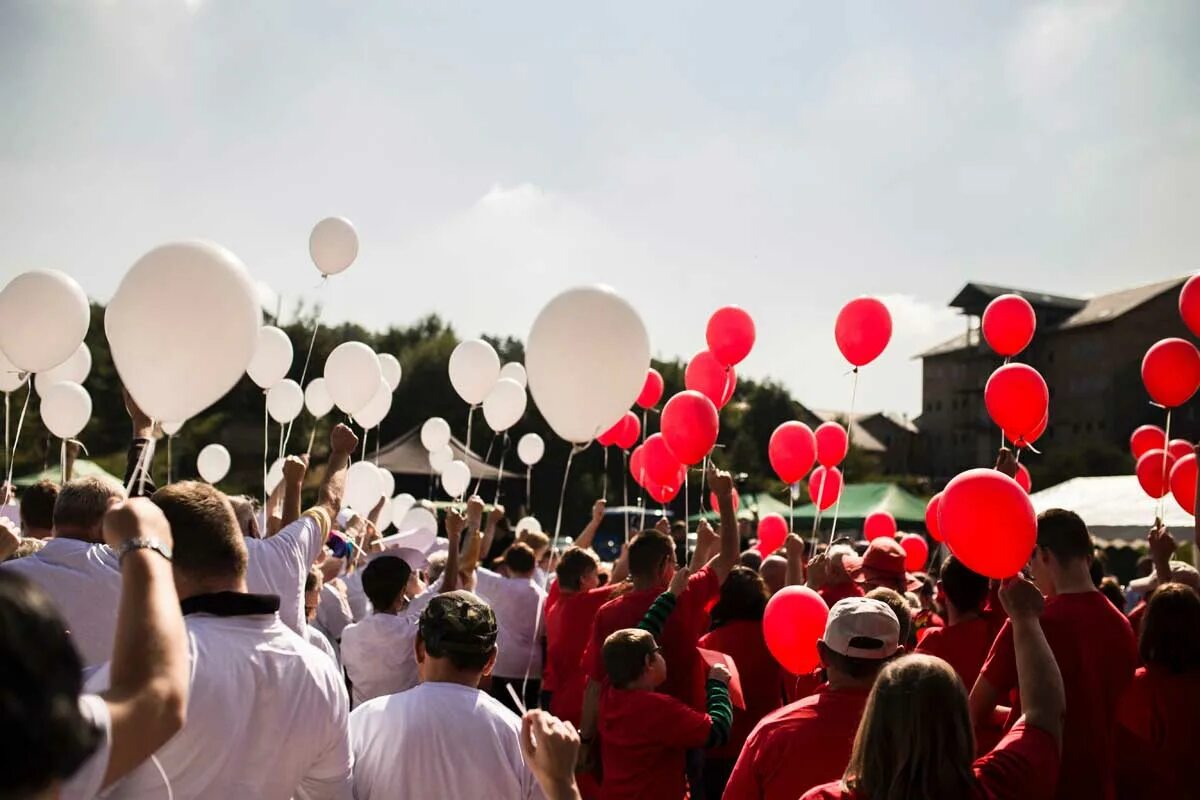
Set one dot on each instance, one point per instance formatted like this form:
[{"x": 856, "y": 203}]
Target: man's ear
[
  {"x": 491, "y": 662},
  {"x": 822, "y": 649},
  {"x": 419, "y": 649}
]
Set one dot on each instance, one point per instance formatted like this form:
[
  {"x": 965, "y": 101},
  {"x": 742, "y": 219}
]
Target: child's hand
[
  {"x": 720, "y": 672},
  {"x": 679, "y": 582}
]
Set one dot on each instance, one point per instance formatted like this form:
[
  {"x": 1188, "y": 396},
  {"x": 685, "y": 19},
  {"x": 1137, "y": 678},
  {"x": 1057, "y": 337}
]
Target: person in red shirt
[
  {"x": 882, "y": 565},
  {"x": 915, "y": 740},
  {"x": 1093, "y": 645},
  {"x": 645, "y": 735},
  {"x": 808, "y": 742},
  {"x": 967, "y": 637},
  {"x": 835, "y": 583}
]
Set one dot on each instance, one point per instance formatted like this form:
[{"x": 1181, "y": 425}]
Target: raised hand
[
  {"x": 720, "y": 481},
  {"x": 680, "y": 581},
  {"x": 550, "y": 747},
  {"x": 663, "y": 525},
  {"x": 1162, "y": 544},
  {"x": 135, "y": 518},
  {"x": 706, "y": 537},
  {"x": 455, "y": 522},
  {"x": 719, "y": 672},
  {"x": 598, "y": 509},
  {"x": 343, "y": 440},
  {"x": 294, "y": 469},
  {"x": 818, "y": 572},
  {"x": 495, "y": 515},
  {"x": 474, "y": 512},
  {"x": 793, "y": 546},
  {"x": 1006, "y": 462},
  {"x": 1020, "y": 598}
]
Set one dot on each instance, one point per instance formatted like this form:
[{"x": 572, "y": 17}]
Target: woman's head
[
  {"x": 743, "y": 596},
  {"x": 1169, "y": 629},
  {"x": 915, "y": 738}
]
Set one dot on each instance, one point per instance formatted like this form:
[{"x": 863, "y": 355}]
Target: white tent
[{"x": 1114, "y": 506}]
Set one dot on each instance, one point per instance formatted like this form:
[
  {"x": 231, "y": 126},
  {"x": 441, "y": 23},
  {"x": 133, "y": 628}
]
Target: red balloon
[
  {"x": 793, "y": 622},
  {"x": 1183, "y": 483},
  {"x": 1017, "y": 398},
  {"x": 1171, "y": 372},
  {"x": 826, "y": 481},
  {"x": 877, "y": 524},
  {"x": 863, "y": 330},
  {"x": 832, "y": 443},
  {"x": 1178, "y": 448},
  {"x": 689, "y": 426},
  {"x": 708, "y": 376},
  {"x": 609, "y": 436},
  {"x": 662, "y": 493},
  {"x": 661, "y": 464},
  {"x": 916, "y": 552},
  {"x": 1146, "y": 438},
  {"x": 772, "y": 530},
  {"x": 1189, "y": 304},
  {"x": 931, "y": 517},
  {"x": 1032, "y": 436},
  {"x": 637, "y": 466},
  {"x": 1022, "y": 477},
  {"x": 737, "y": 500},
  {"x": 730, "y": 335},
  {"x": 652, "y": 389},
  {"x": 1008, "y": 324},
  {"x": 1154, "y": 472},
  {"x": 627, "y": 431},
  {"x": 988, "y": 522},
  {"x": 791, "y": 451}
]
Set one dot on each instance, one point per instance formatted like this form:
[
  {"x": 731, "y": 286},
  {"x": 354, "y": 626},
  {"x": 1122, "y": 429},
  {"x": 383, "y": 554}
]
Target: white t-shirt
[
  {"x": 84, "y": 581},
  {"x": 378, "y": 652},
  {"x": 333, "y": 612},
  {"x": 279, "y": 565},
  {"x": 516, "y": 602},
  {"x": 85, "y": 783},
  {"x": 266, "y": 718},
  {"x": 318, "y": 640},
  {"x": 360, "y": 606},
  {"x": 439, "y": 740}
]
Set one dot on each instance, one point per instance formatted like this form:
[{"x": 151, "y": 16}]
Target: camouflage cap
[{"x": 459, "y": 622}]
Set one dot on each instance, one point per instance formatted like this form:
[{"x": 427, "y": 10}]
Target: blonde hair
[
  {"x": 915, "y": 740},
  {"x": 535, "y": 540}
]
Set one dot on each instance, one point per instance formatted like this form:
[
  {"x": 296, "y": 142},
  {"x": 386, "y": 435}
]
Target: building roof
[
  {"x": 977, "y": 295},
  {"x": 407, "y": 456},
  {"x": 1110, "y": 306},
  {"x": 899, "y": 420},
  {"x": 859, "y": 436},
  {"x": 1113, "y": 506}
]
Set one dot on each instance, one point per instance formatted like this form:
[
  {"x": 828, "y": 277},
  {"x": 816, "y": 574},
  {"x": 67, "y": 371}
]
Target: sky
[{"x": 782, "y": 156}]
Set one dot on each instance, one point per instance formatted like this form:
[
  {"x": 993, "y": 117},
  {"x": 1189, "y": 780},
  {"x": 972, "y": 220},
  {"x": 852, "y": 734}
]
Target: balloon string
[
  {"x": 7, "y": 452},
  {"x": 169, "y": 439},
  {"x": 703, "y": 484},
  {"x": 470, "y": 419},
  {"x": 282, "y": 444},
  {"x": 17, "y": 437},
  {"x": 486, "y": 463},
  {"x": 1162, "y": 501},
  {"x": 62, "y": 458},
  {"x": 266, "y": 447},
  {"x": 378, "y": 436},
  {"x": 500, "y": 471},
  {"x": 625, "y": 490},
  {"x": 687, "y": 523},
  {"x": 366, "y": 438},
  {"x": 791, "y": 511},
  {"x": 312, "y": 437},
  {"x": 604, "y": 491},
  {"x": 817, "y": 513},
  {"x": 849, "y": 438},
  {"x": 308, "y": 356},
  {"x": 641, "y": 480}
]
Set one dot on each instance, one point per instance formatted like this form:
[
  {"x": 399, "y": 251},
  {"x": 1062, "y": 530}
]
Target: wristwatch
[{"x": 143, "y": 543}]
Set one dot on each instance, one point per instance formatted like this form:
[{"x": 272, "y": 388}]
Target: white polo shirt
[
  {"x": 378, "y": 653},
  {"x": 439, "y": 740},
  {"x": 333, "y": 612},
  {"x": 266, "y": 718},
  {"x": 279, "y": 565},
  {"x": 84, "y": 581},
  {"x": 516, "y": 602},
  {"x": 87, "y": 780}
]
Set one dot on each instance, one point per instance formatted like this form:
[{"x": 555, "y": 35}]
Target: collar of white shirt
[{"x": 230, "y": 604}]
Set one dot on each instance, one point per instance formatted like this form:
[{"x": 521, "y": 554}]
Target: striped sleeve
[
  {"x": 720, "y": 710},
  {"x": 656, "y": 615}
]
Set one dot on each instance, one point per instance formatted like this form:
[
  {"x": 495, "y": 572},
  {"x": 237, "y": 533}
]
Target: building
[{"x": 1089, "y": 350}]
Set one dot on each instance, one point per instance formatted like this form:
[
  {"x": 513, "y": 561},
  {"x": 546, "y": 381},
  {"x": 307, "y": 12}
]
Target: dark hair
[
  {"x": 751, "y": 558},
  {"x": 1064, "y": 534},
  {"x": 625, "y": 655},
  {"x": 899, "y": 605},
  {"x": 573, "y": 566},
  {"x": 743, "y": 597},
  {"x": 83, "y": 502},
  {"x": 313, "y": 579},
  {"x": 461, "y": 627},
  {"x": 208, "y": 541},
  {"x": 520, "y": 559},
  {"x": 384, "y": 579},
  {"x": 47, "y": 738},
  {"x": 37, "y": 505},
  {"x": 855, "y": 667},
  {"x": 1110, "y": 588},
  {"x": 648, "y": 552},
  {"x": 679, "y": 526},
  {"x": 1145, "y": 567},
  {"x": 965, "y": 589},
  {"x": 1169, "y": 629}
]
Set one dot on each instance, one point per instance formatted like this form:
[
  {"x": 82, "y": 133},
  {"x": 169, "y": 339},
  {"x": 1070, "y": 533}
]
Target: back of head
[
  {"x": 743, "y": 597},
  {"x": 965, "y": 589},
  {"x": 900, "y": 607},
  {"x": 1064, "y": 534},
  {"x": 245, "y": 509},
  {"x": 37, "y": 506},
  {"x": 208, "y": 541},
  {"x": 678, "y": 529},
  {"x": 46, "y": 736},
  {"x": 774, "y": 572},
  {"x": 649, "y": 552},
  {"x": 861, "y": 635},
  {"x": 915, "y": 739},
  {"x": 82, "y": 503},
  {"x": 1170, "y": 637},
  {"x": 384, "y": 580},
  {"x": 460, "y": 627},
  {"x": 751, "y": 558},
  {"x": 625, "y": 654},
  {"x": 1110, "y": 588},
  {"x": 436, "y": 565},
  {"x": 519, "y": 559},
  {"x": 537, "y": 541},
  {"x": 573, "y": 567}
]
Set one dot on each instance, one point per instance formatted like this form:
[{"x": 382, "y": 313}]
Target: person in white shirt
[
  {"x": 443, "y": 738},
  {"x": 312, "y": 594},
  {"x": 517, "y": 601}
]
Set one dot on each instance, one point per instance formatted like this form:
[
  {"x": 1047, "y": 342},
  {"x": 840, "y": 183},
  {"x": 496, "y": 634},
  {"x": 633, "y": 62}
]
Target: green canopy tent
[
  {"x": 862, "y": 499},
  {"x": 83, "y": 469},
  {"x": 752, "y": 506}
]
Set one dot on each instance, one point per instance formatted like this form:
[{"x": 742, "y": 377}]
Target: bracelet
[{"x": 143, "y": 543}]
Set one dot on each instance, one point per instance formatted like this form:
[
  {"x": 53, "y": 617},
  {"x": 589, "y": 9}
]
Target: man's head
[
  {"x": 961, "y": 588},
  {"x": 743, "y": 597},
  {"x": 630, "y": 655},
  {"x": 577, "y": 570},
  {"x": 437, "y": 565},
  {"x": 1064, "y": 545},
  {"x": 537, "y": 541},
  {"x": 384, "y": 581},
  {"x": 883, "y": 565},
  {"x": 678, "y": 531},
  {"x": 456, "y": 638},
  {"x": 80, "y": 507},
  {"x": 312, "y": 593},
  {"x": 519, "y": 560},
  {"x": 774, "y": 573},
  {"x": 861, "y": 634},
  {"x": 1168, "y": 638},
  {"x": 652, "y": 558},
  {"x": 209, "y": 553},
  {"x": 900, "y": 607},
  {"x": 245, "y": 508},
  {"x": 37, "y": 509},
  {"x": 751, "y": 559}
]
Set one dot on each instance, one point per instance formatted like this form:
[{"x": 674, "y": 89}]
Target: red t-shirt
[
  {"x": 1158, "y": 733},
  {"x": 963, "y": 646},
  {"x": 568, "y": 624},
  {"x": 1136, "y": 615},
  {"x": 644, "y": 739},
  {"x": 761, "y": 678},
  {"x": 1096, "y": 653},
  {"x": 1023, "y": 766},
  {"x": 798, "y": 747},
  {"x": 831, "y": 593},
  {"x": 683, "y": 629}
]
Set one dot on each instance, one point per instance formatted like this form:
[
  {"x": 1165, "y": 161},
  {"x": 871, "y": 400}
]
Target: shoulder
[{"x": 828, "y": 791}]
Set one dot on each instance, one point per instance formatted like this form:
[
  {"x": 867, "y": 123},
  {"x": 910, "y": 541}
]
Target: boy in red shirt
[
  {"x": 967, "y": 637},
  {"x": 645, "y": 735},
  {"x": 1093, "y": 645}
]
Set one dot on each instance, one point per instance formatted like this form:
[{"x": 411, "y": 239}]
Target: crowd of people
[{"x": 175, "y": 642}]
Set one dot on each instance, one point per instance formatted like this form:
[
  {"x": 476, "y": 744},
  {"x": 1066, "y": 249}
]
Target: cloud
[{"x": 1052, "y": 43}]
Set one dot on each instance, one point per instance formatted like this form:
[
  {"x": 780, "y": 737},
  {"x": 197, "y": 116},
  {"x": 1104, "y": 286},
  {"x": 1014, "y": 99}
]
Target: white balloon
[
  {"x": 183, "y": 326},
  {"x": 530, "y": 449},
  {"x": 285, "y": 400},
  {"x": 317, "y": 399},
  {"x": 401, "y": 503},
  {"x": 390, "y": 366},
  {"x": 387, "y": 481},
  {"x": 213, "y": 462},
  {"x": 74, "y": 370},
  {"x": 587, "y": 357},
  {"x": 504, "y": 405},
  {"x": 11, "y": 378},
  {"x": 456, "y": 478},
  {"x": 474, "y": 370},
  {"x": 352, "y": 376},
  {"x": 441, "y": 458},
  {"x": 172, "y": 428},
  {"x": 529, "y": 524},
  {"x": 385, "y": 516},
  {"x": 272, "y": 357},
  {"x": 370, "y": 415},
  {"x": 66, "y": 408},
  {"x": 333, "y": 245},
  {"x": 417, "y": 529},
  {"x": 435, "y": 434},
  {"x": 274, "y": 475},
  {"x": 363, "y": 487},
  {"x": 44, "y": 316},
  {"x": 516, "y": 371}
]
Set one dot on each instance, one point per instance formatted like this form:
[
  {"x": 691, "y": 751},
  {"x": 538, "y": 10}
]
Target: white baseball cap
[{"x": 861, "y": 627}]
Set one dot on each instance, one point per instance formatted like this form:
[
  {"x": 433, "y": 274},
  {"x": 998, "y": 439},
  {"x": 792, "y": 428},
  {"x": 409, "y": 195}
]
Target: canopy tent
[
  {"x": 407, "y": 456},
  {"x": 83, "y": 469},
  {"x": 861, "y": 499},
  {"x": 752, "y": 506},
  {"x": 1114, "y": 506}
]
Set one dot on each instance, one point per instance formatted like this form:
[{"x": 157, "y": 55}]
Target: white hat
[
  {"x": 1181, "y": 572},
  {"x": 861, "y": 627}
]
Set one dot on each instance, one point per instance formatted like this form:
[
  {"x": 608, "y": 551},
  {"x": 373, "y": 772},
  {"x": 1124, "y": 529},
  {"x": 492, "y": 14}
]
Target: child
[{"x": 645, "y": 735}]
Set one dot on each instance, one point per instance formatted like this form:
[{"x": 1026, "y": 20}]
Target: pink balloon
[
  {"x": 1189, "y": 304},
  {"x": 829, "y": 490},
  {"x": 793, "y": 622},
  {"x": 1008, "y": 324},
  {"x": 1146, "y": 438},
  {"x": 1017, "y": 398},
  {"x": 706, "y": 375},
  {"x": 863, "y": 330},
  {"x": 988, "y": 522},
  {"x": 628, "y": 431},
  {"x": 1171, "y": 372},
  {"x": 689, "y": 426},
  {"x": 772, "y": 530},
  {"x": 1183, "y": 483},
  {"x": 877, "y": 524},
  {"x": 791, "y": 451},
  {"x": 730, "y": 335},
  {"x": 1178, "y": 448},
  {"x": 916, "y": 552},
  {"x": 1022, "y": 478},
  {"x": 652, "y": 389},
  {"x": 1154, "y": 471},
  {"x": 931, "y": 517},
  {"x": 661, "y": 464},
  {"x": 832, "y": 443}
]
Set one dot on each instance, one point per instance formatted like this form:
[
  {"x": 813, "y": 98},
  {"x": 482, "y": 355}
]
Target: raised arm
[
  {"x": 470, "y": 557},
  {"x": 794, "y": 549},
  {"x": 550, "y": 747},
  {"x": 706, "y": 546},
  {"x": 1043, "y": 699},
  {"x": 143, "y": 434},
  {"x": 588, "y": 534},
  {"x": 294, "y": 470},
  {"x": 664, "y": 604},
  {"x": 147, "y": 696},
  {"x": 72, "y": 448},
  {"x": 621, "y": 568},
  {"x": 454, "y": 526},
  {"x": 721, "y": 484},
  {"x": 1162, "y": 547},
  {"x": 489, "y": 531},
  {"x": 342, "y": 444}
]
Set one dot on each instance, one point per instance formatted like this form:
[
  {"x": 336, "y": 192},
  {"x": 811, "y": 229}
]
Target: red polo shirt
[
  {"x": 644, "y": 739},
  {"x": 1158, "y": 733},
  {"x": 568, "y": 624},
  {"x": 963, "y": 646},
  {"x": 761, "y": 678}
]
